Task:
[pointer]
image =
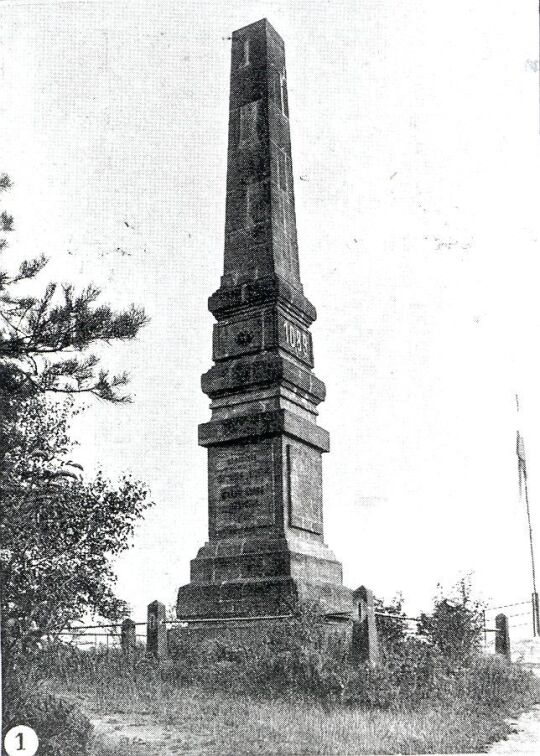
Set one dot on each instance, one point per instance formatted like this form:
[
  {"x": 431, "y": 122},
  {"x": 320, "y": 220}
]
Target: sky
[{"x": 415, "y": 129}]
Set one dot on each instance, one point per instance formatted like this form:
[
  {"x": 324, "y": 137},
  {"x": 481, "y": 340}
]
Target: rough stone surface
[
  {"x": 234, "y": 632},
  {"x": 266, "y": 550},
  {"x": 364, "y": 637},
  {"x": 502, "y": 636},
  {"x": 128, "y": 637},
  {"x": 156, "y": 630}
]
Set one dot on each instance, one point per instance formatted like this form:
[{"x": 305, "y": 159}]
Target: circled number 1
[{"x": 21, "y": 739}]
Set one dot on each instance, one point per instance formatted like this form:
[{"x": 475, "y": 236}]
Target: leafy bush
[
  {"x": 421, "y": 675},
  {"x": 391, "y": 630},
  {"x": 455, "y": 626}
]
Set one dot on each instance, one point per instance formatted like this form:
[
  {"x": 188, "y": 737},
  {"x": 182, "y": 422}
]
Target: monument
[{"x": 265, "y": 550}]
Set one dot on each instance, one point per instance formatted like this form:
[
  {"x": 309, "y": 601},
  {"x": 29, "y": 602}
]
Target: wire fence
[
  {"x": 488, "y": 631},
  {"x": 113, "y": 634},
  {"x": 87, "y": 635},
  {"x": 509, "y": 606}
]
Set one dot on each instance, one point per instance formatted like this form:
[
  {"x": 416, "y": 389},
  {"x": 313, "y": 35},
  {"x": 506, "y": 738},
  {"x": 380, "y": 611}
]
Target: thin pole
[
  {"x": 534, "y": 597},
  {"x": 523, "y": 487},
  {"x": 533, "y": 572}
]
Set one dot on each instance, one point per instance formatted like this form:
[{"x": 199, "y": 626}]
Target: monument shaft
[{"x": 265, "y": 550}]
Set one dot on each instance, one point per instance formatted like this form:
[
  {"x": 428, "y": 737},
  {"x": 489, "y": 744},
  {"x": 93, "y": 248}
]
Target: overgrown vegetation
[
  {"x": 63, "y": 529},
  {"x": 429, "y": 698},
  {"x": 63, "y": 729},
  {"x": 454, "y": 628},
  {"x": 59, "y": 528}
]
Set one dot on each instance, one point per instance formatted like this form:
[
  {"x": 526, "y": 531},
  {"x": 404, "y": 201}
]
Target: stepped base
[
  {"x": 268, "y": 575},
  {"x": 259, "y": 597}
]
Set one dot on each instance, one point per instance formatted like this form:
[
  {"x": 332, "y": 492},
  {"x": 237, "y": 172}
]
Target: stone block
[
  {"x": 364, "y": 639},
  {"x": 156, "y": 631},
  {"x": 263, "y": 425},
  {"x": 502, "y": 636},
  {"x": 128, "y": 637}
]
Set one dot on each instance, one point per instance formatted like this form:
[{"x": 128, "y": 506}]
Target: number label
[
  {"x": 21, "y": 740},
  {"x": 297, "y": 340}
]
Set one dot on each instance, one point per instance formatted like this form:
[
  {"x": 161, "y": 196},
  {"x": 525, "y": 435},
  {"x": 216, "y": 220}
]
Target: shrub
[
  {"x": 391, "y": 630},
  {"x": 298, "y": 654},
  {"x": 455, "y": 626}
]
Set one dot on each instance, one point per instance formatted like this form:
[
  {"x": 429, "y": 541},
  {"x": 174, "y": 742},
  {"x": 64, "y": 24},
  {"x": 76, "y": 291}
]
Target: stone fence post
[
  {"x": 156, "y": 631},
  {"x": 128, "y": 638},
  {"x": 502, "y": 636},
  {"x": 364, "y": 639}
]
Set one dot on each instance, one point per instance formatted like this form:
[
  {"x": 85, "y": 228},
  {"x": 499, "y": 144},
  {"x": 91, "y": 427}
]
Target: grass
[
  {"x": 145, "y": 712},
  {"x": 195, "y": 721},
  {"x": 291, "y": 690}
]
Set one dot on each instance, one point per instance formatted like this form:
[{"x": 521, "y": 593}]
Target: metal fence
[{"x": 127, "y": 634}]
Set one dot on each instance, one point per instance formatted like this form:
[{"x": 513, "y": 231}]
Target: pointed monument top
[
  {"x": 260, "y": 226},
  {"x": 261, "y": 24}
]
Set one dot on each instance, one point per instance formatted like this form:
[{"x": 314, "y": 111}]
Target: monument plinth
[{"x": 265, "y": 550}]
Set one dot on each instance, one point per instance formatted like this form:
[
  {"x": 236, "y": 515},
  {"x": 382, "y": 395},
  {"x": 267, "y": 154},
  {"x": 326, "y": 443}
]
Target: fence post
[
  {"x": 364, "y": 640},
  {"x": 156, "y": 631},
  {"x": 502, "y": 636},
  {"x": 128, "y": 639}
]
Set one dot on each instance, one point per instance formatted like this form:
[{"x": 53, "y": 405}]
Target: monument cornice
[
  {"x": 264, "y": 425},
  {"x": 263, "y": 369},
  {"x": 236, "y": 297}
]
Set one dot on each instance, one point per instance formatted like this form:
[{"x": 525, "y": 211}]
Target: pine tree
[{"x": 44, "y": 340}]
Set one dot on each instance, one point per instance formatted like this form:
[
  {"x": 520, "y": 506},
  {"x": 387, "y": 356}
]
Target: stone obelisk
[{"x": 265, "y": 550}]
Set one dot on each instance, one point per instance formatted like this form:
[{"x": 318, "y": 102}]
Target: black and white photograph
[{"x": 269, "y": 377}]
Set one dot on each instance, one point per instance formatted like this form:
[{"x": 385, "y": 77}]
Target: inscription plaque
[
  {"x": 305, "y": 488},
  {"x": 242, "y": 486}
]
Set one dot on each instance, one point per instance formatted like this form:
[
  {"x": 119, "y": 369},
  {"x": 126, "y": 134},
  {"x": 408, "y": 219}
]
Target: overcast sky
[{"x": 415, "y": 130}]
